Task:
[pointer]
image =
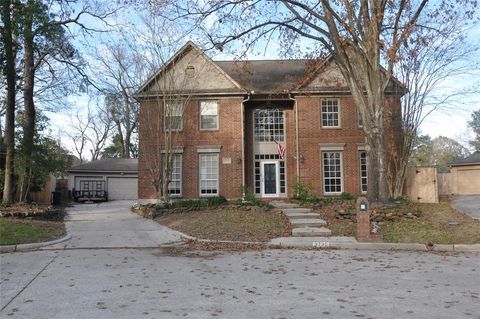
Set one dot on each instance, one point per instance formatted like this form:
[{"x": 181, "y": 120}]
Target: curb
[{"x": 32, "y": 246}]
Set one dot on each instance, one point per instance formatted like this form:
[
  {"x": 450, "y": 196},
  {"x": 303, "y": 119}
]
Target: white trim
[
  {"x": 217, "y": 185},
  {"x": 176, "y": 150},
  {"x": 361, "y": 147},
  {"x": 217, "y": 127},
  {"x": 341, "y": 173},
  {"x": 262, "y": 178},
  {"x": 209, "y": 148},
  {"x": 326, "y": 147},
  {"x": 181, "y": 176},
  {"x": 339, "y": 112}
]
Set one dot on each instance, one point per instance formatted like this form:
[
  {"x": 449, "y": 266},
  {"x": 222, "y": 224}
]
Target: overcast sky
[{"x": 450, "y": 121}]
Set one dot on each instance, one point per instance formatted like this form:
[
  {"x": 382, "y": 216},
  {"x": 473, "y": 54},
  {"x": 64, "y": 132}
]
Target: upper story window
[
  {"x": 173, "y": 115},
  {"x": 208, "y": 115},
  {"x": 268, "y": 125},
  {"x": 330, "y": 110},
  {"x": 359, "y": 118}
]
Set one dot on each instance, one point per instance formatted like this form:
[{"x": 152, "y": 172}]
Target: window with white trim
[
  {"x": 208, "y": 115},
  {"x": 268, "y": 125},
  {"x": 330, "y": 110},
  {"x": 332, "y": 172},
  {"x": 359, "y": 118},
  {"x": 363, "y": 171},
  {"x": 175, "y": 185},
  {"x": 208, "y": 174},
  {"x": 173, "y": 114}
]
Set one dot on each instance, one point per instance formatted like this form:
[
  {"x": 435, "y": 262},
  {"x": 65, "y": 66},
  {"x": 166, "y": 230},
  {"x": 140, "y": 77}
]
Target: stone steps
[
  {"x": 304, "y": 222},
  {"x": 311, "y": 231},
  {"x": 293, "y": 216},
  {"x": 308, "y": 222}
]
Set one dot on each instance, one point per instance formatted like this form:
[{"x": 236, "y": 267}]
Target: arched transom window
[{"x": 268, "y": 125}]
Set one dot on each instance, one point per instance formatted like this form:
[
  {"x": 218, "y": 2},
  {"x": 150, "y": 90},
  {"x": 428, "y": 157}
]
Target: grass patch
[
  {"x": 433, "y": 227},
  {"x": 237, "y": 224},
  {"x": 22, "y": 231}
]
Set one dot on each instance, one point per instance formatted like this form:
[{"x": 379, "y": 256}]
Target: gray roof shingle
[
  {"x": 471, "y": 160},
  {"x": 270, "y": 76},
  {"x": 108, "y": 165}
]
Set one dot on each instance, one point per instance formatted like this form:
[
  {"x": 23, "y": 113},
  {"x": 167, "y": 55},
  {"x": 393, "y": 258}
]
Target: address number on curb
[{"x": 321, "y": 244}]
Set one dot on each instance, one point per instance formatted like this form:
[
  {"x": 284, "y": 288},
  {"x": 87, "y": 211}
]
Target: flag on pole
[{"x": 281, "y": 150}]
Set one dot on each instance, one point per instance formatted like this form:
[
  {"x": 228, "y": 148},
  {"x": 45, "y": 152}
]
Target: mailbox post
[
  {"x": 363, "y": 219},
  {"x": 364, "y": 230}
]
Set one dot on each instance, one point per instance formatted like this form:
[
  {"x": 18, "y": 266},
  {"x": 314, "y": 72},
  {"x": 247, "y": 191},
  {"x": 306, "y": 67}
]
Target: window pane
[
  {"x": 330, "y": 113},
  {"x": 208, "y": 114},
  {"x": 208, "y": 174},
  {"x": 363, "y": 171},
  {"x": 268, "y": 125},
  {"x": 175, "y": 186},
  {"x": 332, "y": 172}
]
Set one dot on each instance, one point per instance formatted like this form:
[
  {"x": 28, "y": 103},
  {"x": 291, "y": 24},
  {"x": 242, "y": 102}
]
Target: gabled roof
[
  {"x": 127, "y": 165},
  {"x": 473, "y": 159},
  {"x": 186, "y": 48}
]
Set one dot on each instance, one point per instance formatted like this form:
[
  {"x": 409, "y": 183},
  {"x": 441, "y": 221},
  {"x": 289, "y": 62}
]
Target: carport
[
  {"x": 118, "y": 177},
  {"x": 465, "y": 175}
]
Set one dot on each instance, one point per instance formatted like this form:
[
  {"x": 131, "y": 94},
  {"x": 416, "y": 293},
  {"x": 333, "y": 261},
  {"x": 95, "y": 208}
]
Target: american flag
[{"x": 281, "y": 150}]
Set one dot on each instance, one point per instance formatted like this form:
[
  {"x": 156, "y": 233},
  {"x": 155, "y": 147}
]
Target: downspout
[
  {"x": 297, "y": 147},
  {"x": 243, "y": 144}
]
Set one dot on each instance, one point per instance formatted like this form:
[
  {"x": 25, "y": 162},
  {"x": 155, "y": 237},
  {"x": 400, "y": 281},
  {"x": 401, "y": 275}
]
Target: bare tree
[
  {"x": 430, "y": 58},
  {"x": 90, "y": 132},
  {"x": 364, "y": 38},
  {"x": 123, "y": 71}
]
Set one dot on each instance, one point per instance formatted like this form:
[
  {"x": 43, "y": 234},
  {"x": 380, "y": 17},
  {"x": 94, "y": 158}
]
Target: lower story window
[
  {"x": 363, "y": 171},
  {"x": 175, "y": 186},
  {"x": 332, "y": 172},
  {"x": 208, "y": 174}
]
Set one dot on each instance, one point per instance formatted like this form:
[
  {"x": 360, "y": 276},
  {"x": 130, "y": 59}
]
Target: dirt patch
[{"x": 250, "y": 224}]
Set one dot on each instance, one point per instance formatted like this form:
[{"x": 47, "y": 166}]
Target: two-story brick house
[{"x": 236, "y": 115}]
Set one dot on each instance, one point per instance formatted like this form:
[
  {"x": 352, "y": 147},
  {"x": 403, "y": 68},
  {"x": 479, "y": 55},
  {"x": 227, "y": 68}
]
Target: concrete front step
[
  {"x": 298, "y": 210},
  {"x": 282, "y": 204},
  {"x": 311, "y": 231},
  {"x": 307, "y": 222},
  {"x": 302, "y": 215}
]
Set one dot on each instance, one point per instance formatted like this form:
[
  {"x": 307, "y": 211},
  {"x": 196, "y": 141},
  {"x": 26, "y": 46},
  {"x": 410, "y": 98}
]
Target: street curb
[
  {"x": 200, "y": 240},
  {"x": 353, "y": 245},
  {"x": 33, "y": 246}
]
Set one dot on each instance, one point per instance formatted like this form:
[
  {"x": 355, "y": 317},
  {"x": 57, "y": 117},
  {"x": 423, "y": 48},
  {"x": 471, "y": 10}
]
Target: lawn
[
  {"x": 227, "y": 223},
  {"x": 22, "y": 231},
  {"x": 431, "y": 227}
]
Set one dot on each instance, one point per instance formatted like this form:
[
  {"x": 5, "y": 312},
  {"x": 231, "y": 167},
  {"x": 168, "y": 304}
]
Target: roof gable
[{"x": 190, "y": 70}]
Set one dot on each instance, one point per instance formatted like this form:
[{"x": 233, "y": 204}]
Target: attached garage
[
  {"x": 109, "y": 179},
  {"x": 465, "y": 176}
]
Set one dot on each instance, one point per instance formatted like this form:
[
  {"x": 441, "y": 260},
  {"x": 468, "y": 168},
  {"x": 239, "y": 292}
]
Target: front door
[{"x": 269, "y": 178}]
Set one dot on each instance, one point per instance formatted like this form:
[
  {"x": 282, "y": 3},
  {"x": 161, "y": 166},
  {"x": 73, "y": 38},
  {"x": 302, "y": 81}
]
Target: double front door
[{"x": 270, "y": 178}]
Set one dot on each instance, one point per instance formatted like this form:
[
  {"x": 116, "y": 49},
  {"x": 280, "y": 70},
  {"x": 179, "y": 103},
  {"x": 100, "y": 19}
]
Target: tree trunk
[
  {"x": 10, "y": 53},
  {"x": 28, "y": 88}
]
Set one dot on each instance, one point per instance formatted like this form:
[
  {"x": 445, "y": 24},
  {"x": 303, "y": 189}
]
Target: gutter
[
  {"x": 297, "y": 147},
  {"x": 243, "y": 143}
]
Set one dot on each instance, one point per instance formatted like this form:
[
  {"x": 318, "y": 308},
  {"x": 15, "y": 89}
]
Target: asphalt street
[{"x": 171, "y": 283}]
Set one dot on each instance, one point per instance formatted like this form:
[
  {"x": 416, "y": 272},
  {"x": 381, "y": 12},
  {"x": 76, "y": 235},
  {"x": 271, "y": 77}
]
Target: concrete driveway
[
  {"x": 113, "y": 225},
  {"x": 468, "y": 204}
]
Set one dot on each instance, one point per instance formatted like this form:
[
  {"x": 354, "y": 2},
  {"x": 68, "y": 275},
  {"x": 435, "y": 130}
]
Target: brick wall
[{"x": 228, "y": 136}]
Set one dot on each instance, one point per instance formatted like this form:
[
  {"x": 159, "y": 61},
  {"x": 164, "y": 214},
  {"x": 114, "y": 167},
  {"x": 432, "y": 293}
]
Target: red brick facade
[{"x": 233, "y": 163}]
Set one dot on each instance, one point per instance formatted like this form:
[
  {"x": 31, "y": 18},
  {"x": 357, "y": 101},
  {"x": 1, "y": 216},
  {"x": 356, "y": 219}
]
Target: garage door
[
  {"x": 122, "y": 188},
  {"x": 469, "y": 182}
]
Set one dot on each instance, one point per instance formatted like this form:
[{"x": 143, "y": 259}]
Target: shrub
[
  {"x": 304, "y": 192},
  {"x": 346, "y": 196}
]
